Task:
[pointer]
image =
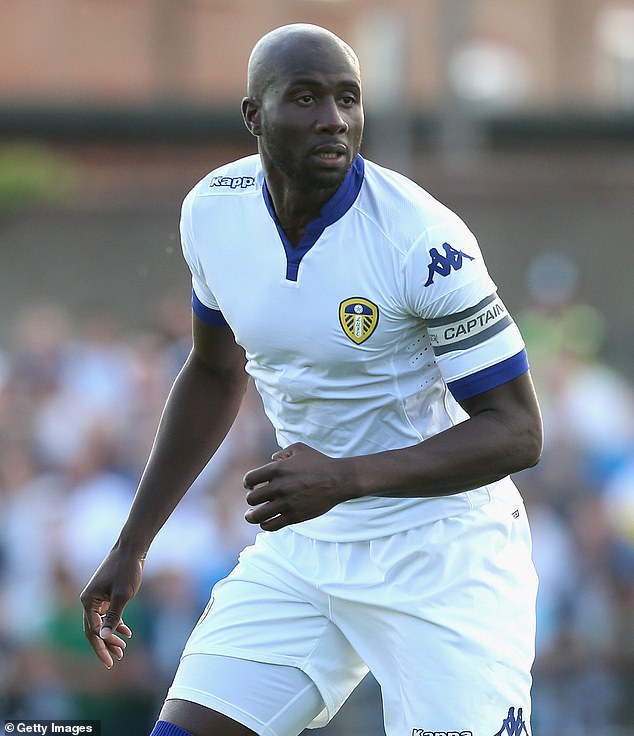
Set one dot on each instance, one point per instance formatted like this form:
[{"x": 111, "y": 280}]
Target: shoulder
[
  {"x": 241, "y": 177},
  {"x": 405, "y": 212},
  {"x": 441, "y": 264}
]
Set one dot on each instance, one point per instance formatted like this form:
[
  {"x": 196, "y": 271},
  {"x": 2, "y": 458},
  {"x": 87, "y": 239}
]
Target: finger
[
  {"x": 114, "y": 642},
  {"x": 100, "y": 649},
  {"x": 123, "y": 629},
  {"x": 92, "y": 622},
  {"x": 281, "y": 454},
  {"x": 288, "y": 451},
  {"x": 93, "y": 606},
  {"x": 108, "y": 648},
  {"x": 260, "y": 495},
  {"x": 273, "y": 525},
  {"x": 116, "y": 652},
  {"x": 112, "y": 618},
  {"x": 263, "y": 474},
  {"x": 264, "y": 512}
]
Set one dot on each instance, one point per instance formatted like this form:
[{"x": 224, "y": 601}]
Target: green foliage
[{"x": 32, "y": 173}]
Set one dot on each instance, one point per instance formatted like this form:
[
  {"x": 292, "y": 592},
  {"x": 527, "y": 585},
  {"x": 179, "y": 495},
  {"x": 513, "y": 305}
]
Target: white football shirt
[{"x": 364, "y": 336}]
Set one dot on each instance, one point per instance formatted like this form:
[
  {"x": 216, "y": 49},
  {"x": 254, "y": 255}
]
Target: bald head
[
  {"x": 272, "y": 54},
  {"x": 304, "y": 107}
]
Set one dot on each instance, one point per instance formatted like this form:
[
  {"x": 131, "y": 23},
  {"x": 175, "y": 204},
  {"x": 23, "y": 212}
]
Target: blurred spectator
[
  {"x": 79, "y": 404},
  {"x": 577, "y": 500}
]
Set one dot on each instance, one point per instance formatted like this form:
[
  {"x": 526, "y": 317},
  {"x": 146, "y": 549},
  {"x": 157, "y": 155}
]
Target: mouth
[{"x": 331, "y": 155}]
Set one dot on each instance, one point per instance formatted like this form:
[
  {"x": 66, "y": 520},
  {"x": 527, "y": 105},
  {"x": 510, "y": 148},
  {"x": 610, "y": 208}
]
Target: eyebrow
[{"x": 312, "y": 82}]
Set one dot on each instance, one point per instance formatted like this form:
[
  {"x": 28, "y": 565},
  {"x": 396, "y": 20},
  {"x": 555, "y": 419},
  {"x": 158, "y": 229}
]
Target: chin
[{"x": 323, "y": 179}]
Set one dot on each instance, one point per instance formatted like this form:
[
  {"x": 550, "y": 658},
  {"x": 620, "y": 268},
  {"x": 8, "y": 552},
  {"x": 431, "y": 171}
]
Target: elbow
[
  {"x": 533, "y": 457},
  {"x": 530, "y": 445}
]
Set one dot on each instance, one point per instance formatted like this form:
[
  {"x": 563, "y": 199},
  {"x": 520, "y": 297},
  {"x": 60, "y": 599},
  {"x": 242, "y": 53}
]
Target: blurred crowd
[{"x": 80, "y": 398}]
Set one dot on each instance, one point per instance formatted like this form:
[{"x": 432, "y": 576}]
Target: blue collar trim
[{"x": 334, "y": 209}]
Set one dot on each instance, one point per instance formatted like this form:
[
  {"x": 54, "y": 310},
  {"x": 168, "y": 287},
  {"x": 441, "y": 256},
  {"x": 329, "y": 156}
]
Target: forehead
[{"x": 319, "y": 60}]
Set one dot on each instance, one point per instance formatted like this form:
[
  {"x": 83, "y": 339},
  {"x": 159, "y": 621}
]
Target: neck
[
  {"x": 295, "y": 206},
  {"x": 296, "y": 209}
]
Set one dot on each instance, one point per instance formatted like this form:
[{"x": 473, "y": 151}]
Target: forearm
[
  {"x": 198, "y": 413},
  {"x": 471, "y": 454},
  {"x": 503, "y": 435}
]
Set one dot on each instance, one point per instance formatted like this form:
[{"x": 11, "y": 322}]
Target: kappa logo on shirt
[
  {"x": 359, "y": 318},
  {"x": 442, "y": 265},
  {"x": 232, "y": 182}
]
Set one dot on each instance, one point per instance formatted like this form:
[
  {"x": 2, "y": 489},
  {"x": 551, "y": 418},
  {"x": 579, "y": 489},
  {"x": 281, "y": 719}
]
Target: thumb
[
  {"x": 112, "y": 618},
  {"x": 287, "y": 452},
  {"x": 281, "y": 454}
]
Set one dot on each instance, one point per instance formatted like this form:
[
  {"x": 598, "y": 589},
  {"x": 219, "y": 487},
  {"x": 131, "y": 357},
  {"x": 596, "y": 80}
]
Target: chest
[{"x": 337, "y": 302}]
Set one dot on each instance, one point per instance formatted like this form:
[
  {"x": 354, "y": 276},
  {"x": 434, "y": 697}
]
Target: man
[{"x": 399, "y": 389}]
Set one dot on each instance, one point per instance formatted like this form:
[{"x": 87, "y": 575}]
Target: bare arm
[
  {"x": 503, "y": 435},
  {"x": 199, "y": 411}
]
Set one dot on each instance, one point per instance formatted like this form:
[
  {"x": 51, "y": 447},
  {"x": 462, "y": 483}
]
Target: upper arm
[
  {"x": 477, "y": 346},
  {"x": 475, "y": 341},
  {"x": 514, "y": 407},
  {"x": 215, "y": 346}
]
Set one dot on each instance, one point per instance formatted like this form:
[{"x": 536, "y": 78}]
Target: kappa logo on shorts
[
  {"x": 513, "y": 725},
  {"x": 359, "y": 318},
  {"x": 442, "y": 265},
  {"x": 422, "y": 732}
]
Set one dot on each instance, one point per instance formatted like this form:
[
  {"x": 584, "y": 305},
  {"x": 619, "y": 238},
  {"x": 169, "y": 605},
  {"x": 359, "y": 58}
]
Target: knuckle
[
  {"x": 277, "y": 469},
  {"x": 284, "y": 506}
]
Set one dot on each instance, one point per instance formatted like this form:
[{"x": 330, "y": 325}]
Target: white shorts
[{"x": 443, "y": 615}]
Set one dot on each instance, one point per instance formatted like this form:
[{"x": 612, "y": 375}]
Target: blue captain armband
[
  {"x": 488, "y": 378},
  {"x": 207, "y": 314}
]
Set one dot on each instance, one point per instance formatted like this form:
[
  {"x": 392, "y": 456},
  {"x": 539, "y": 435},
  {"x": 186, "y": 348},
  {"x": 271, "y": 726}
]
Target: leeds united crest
[{"x": 359, "y": 318}]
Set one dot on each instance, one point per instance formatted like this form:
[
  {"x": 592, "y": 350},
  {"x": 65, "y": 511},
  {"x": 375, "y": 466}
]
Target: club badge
[{"x": 359, "y": 318}]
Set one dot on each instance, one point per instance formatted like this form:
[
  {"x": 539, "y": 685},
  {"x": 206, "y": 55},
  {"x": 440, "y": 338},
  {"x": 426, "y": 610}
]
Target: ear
[{"x": 251, "y": 116}]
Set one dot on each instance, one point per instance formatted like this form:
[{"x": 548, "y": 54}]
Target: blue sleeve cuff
[
  {"x": 488, "y": 378},
  {"x": 207, "y": 314}
]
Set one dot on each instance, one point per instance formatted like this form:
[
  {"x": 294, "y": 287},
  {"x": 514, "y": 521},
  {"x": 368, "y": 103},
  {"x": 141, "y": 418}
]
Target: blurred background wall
[{"x": 519, "y": 116}]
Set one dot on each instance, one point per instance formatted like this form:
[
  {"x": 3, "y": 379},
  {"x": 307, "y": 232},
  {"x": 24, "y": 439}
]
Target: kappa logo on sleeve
[
  {"x": 443, "y": 265},
  {"x": 232, "y": 182}
]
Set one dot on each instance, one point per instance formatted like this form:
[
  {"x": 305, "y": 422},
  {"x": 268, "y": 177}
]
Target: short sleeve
[
  {"x": 204, "y": 302},
  {"x": 190, "y": 252},
  {"x": 476, "y": 343},
  {"x": 445, "y": 271}
]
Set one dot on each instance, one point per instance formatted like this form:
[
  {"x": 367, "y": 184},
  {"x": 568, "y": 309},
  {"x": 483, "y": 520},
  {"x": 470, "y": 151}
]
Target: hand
[
  {"x": 115, "y": 582},
  {"x": 301, "y": 483}
]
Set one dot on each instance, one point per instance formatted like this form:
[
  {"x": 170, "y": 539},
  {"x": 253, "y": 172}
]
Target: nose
[{"x": 330, "y": 119}]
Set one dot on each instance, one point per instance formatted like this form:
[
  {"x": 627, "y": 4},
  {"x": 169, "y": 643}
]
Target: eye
[
  {"x": 304, "y": 99},
  {"x": 348, "y": 100}
]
